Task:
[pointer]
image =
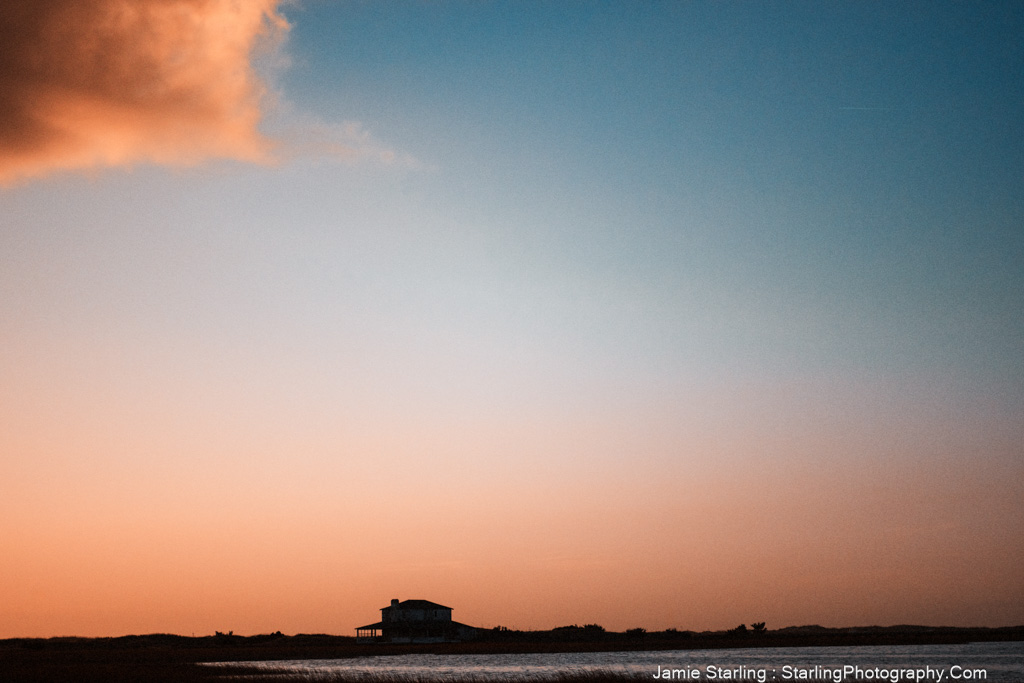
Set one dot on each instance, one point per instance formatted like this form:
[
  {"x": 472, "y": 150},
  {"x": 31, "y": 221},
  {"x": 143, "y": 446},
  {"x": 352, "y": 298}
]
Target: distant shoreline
[
  {"x": 165, "y": 658},
  {"x": 500, "y": 641}
]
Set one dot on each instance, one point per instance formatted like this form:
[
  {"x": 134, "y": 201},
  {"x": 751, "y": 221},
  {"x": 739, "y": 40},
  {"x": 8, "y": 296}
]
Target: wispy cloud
[
  {"x": 306, "y": 136},
  {"x": 99, "y": 83}
]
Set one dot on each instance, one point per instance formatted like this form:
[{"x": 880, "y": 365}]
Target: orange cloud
[{"x": 87, "y": 83}]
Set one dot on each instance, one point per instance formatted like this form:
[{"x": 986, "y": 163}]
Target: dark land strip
[{"x": 163, "y": 658}]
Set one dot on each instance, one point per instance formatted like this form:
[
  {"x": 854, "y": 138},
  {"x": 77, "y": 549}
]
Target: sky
[{"x": 661, "y": 314}]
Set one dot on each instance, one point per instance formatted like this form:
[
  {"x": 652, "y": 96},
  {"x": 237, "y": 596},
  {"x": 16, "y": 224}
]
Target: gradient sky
[{"x": 660, "y": 314}]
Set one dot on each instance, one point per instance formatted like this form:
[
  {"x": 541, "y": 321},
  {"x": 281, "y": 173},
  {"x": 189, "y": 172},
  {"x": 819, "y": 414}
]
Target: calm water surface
[{"x": 996, "y": 662}]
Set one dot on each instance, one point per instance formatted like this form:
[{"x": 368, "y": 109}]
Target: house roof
[{"x": 418, "y": 604}]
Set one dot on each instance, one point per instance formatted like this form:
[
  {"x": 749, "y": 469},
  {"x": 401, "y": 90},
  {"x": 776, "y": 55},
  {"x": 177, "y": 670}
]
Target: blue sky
[{"x": 852, "y": 165}]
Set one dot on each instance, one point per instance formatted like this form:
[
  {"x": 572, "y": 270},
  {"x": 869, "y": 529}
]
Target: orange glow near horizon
[{"x": 146, "y": 540}]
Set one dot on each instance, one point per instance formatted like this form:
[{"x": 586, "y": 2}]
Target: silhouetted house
[{"x": 415, "y": 621}]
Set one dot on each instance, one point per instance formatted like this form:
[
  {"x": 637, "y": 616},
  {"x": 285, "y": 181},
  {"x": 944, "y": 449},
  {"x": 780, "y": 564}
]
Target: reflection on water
[{"x": 990, "y": 662}]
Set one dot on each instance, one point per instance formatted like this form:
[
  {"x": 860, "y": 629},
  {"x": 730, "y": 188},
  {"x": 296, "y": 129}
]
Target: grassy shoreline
[{"x": 163, "y": 658}]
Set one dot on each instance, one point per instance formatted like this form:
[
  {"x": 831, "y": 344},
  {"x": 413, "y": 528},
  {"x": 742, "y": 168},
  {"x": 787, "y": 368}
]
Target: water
[{"x": 990, "y": 662}]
